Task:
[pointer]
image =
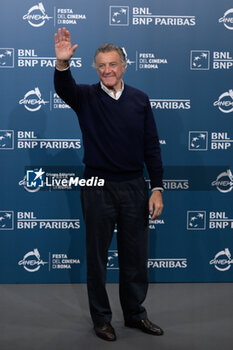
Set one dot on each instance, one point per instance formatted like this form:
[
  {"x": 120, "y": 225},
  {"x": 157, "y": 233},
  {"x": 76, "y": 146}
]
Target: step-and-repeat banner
[{"x": 180, "y": 53}]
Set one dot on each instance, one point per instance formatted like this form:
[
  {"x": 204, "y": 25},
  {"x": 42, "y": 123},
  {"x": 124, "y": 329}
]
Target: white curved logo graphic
[
  {"x": 222, "y": 260},
  {"x": 128, "y": 61},
  {"x": 32, "y": 265},
  {"x": 36, "y": 15},
  {"x": 225, "y": 102},
  {"x": 32, "y": 100},
  {"x": 224, "y": 181},
  {"x": 227, "y": 19},
  {"x": 24, "y": 184}
]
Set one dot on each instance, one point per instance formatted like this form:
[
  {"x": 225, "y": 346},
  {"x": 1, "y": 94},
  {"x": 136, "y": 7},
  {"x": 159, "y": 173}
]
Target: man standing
[{"x": 119, "y": 136}]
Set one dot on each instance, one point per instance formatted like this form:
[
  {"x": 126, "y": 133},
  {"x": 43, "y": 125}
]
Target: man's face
[{"x": 110, "y": 69}]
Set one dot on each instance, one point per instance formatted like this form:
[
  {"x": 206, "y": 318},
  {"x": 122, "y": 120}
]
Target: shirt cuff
[
  {"x": 157, "y": 189},
  {"x": 62, "y": 70}
]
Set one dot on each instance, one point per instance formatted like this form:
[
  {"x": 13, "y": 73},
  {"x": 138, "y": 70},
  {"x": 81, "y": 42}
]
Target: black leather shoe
[
  {"x": 105, "y": 331},
  {"x": 146, "y": 326}
]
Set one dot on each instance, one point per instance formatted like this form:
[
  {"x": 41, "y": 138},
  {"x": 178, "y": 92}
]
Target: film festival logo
[
  {"x": 128, "y": 61},
  {"x": 32, "y": 261},
  {"x": 112, "y": 263},
  {"x": 222, "y": 260},
  {"x": 196, "y": 220},
  {"x": 6, "y": 139},
  {"x": 6, "y": 220},
  {"x": 119, "y": 15},
  {"x": 6, "y": 58},
  {"x": 36, "y": 15},
  {"x": 227, "y": 19},
  {"x": 200, "y": 60},
  {"x": 33, "y": 100},
  {"x": 144, "y": 60},
  {"x": 198, "y": 141},
  {"x": 224, "y": 182},
  {"x": 225, "y": 102}
]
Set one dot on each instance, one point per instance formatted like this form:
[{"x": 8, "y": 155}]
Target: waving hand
[{"x": 63, "y": 47}]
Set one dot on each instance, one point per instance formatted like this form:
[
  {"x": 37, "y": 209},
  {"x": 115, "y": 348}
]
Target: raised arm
[
  {"x": 63, "y": 48},
  {"x": 64, "y": 83}
]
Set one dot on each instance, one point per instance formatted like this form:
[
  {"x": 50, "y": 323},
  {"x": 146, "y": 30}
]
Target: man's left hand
[{"x": 155, "y": 204}]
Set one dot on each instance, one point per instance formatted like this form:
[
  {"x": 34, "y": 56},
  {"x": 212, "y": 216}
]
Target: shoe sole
[{"x": 143, "y": 330}]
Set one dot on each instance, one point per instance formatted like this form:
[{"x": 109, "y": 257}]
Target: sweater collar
[{"x": 111, "y": 93}]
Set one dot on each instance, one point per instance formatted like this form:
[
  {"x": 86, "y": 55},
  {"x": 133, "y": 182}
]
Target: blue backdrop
[{"x": 180, "y": 53}]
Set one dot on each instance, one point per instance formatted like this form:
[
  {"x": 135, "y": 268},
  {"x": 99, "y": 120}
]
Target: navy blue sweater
[{"x": 118, "y": 135}]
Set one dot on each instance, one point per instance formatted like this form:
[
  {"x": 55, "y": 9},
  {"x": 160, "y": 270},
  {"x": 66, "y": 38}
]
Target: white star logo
[{"x": 39, "y": 174}]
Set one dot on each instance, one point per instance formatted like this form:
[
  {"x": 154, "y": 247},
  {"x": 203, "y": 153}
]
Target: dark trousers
[{"x": 125, "y": 204}]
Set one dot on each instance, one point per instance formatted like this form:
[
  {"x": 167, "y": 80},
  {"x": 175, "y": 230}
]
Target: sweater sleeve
[
  {"x": 152, "y": 153},
  {"x": 66, "y": 88}
]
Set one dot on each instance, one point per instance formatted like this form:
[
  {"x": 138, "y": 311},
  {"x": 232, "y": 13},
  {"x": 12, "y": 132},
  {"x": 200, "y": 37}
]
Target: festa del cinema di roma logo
[
  {"x": 225, "y": 102},
  {"x": 222, "y": 260},
  {"x": 227, "y": 19},
  {"x": 33, "y": 100},
  {"x": 224, "y": 181},
  {"x": 32, "y": 261},
  {"x": 36, "y": 15}
]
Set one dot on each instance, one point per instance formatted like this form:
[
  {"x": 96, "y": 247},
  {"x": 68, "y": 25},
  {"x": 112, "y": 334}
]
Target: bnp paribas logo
[
  {"x": 112, "y": 263},
  {"x": 6, "y": 220},
  {"x": 119, "y": 15},
  {"x": 199, "y": 60},
  {"x": 196, "y": 220},
  {"x": 6, "y": 139},
  {"x": 6, "y": 58},
  {"x": 198, "y": 140}
]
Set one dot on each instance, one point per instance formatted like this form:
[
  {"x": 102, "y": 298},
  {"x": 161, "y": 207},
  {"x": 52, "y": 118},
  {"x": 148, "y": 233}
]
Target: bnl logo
[
  {"x": 198, "y": 140},
  {"x": 6, "y": 58},
  {"x": 200, "y": 60},
  {"x": 112, "y": 263},
  {"x": 35, "y": 178},
  {"x": 119, "y": 15},
  {"x": 6, "y": 139},
  {"x": 196, "y": 220},
  {"x": 6, "y": 220}
]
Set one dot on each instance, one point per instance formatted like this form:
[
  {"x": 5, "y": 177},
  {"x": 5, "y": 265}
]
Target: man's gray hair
[{"x": 108, "y": 48}]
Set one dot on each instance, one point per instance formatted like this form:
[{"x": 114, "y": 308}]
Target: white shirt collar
[{"x": 111, "y": 93}]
